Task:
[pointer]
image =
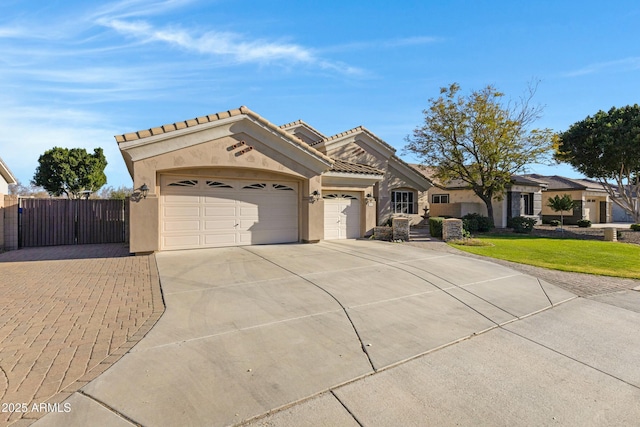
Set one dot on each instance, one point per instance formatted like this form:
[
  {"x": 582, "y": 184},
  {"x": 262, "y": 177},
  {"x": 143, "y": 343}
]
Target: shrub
[
  {"x": 475, "y": 222},
  {"x": 635, "y": 227},
  {"x": 554, "y": 223},
  {"x": 584, "y": 223},
  {"x": 435, "y": 226},
  {"x": 521, "y": 224}
]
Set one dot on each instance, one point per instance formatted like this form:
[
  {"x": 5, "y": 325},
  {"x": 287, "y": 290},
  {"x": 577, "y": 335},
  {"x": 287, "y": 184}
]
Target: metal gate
[{"x": 50, "y": 222}]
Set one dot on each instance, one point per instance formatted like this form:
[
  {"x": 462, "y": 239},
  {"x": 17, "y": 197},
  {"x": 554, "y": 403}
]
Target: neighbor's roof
[
  {"x": 145, "y": 133},
  {"x": 556, "y": 182},
  {"x": 5, "y": 172},
  {"x": 347, "y": 167},
  {"x": 454, "y": 184}
]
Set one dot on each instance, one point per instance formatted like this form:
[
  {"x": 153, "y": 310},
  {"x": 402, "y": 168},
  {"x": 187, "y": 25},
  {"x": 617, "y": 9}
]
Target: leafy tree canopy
[
  {"x": 606, "y": 147},
  {"x": 480, "y": 139},
  {"x": 70, "y": 171}
]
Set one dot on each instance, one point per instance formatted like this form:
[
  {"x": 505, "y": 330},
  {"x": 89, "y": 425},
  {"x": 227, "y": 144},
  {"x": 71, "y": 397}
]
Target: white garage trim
[
  {"x": 341, "y": 215},
  {"x": 199, "y": 212}
]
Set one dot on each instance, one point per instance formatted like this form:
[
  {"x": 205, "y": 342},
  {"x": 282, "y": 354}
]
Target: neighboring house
[
  {"x": 7, "y": 234},
  {"x": 234, "y": 178},
  {"x": 6, "y": 178},
  {"x": 592, "y": 201},
  {"x": 620, "y": 215},
  {"x": 523, "y": 197}
]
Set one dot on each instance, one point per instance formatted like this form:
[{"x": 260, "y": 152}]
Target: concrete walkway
[
  {"x": 368, "y": 333},
  {"x": 67, "y": 313}
]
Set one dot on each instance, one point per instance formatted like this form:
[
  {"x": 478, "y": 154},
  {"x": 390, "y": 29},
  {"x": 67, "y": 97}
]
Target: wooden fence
[{"x": 49, "y": 222}]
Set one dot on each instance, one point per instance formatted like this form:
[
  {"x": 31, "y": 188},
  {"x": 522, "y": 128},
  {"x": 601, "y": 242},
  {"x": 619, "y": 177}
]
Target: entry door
[
  {"x": 603, "y": 212},
  {"x": 341, "y": 216}
]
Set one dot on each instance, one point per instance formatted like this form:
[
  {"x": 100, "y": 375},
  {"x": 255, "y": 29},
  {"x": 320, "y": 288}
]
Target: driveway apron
[{"x": 248, "y": 330}]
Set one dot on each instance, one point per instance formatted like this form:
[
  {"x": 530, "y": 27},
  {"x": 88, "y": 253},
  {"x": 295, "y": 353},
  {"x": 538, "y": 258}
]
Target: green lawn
[{"x": 582, "y": 256}]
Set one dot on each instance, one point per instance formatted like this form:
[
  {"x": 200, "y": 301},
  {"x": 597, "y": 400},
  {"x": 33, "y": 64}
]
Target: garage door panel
[
  {"x": 181, "y": 211},
  {"x": 188, "y": 225},
  {"x": 219, "y": 225},
  {"x": 181, "y": 241},
  {"x": 221, "y": 239},
  {"x": 181, "y": 199},
  {"x": 219, "y": 212}
]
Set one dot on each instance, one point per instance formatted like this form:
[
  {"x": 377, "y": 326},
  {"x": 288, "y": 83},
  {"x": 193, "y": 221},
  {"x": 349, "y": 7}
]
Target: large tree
[
  {"x": 70, "y": 171},
  {"x": 480, "y": 139},
  {"x": 606, "y": 147}
]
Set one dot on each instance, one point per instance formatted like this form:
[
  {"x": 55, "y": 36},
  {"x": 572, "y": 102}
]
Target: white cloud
[
  {"x": 621, "y": 65},
  {"x": 231, "y": 46}
]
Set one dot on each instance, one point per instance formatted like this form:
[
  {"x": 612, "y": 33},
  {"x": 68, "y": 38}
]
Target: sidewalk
[{"x": 67, "y": 313}]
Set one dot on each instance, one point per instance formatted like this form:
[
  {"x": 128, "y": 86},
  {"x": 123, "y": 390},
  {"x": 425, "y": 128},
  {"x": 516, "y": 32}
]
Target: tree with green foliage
[
  {"x": 70, "y": 171},
  {"x": 606, "y": 147},
  {"x": 119, "y": 193},
  {"x": 561, "y": 204},
  {"x": 480, "y": 139}
]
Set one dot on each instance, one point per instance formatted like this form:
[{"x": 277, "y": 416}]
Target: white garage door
[
  {"x": 341, "y": 216},
  {"x": 214, "y": 212}
]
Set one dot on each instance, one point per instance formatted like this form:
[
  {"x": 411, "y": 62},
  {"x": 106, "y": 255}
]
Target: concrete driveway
[{"x": 346, "y": 333}]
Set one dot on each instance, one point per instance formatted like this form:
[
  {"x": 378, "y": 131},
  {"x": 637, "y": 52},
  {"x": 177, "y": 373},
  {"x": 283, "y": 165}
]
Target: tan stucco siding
[
  {"x": 219, "y": 158},
  {"x": 219, "y": 154}
]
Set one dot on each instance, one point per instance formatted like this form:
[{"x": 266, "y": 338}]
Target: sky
[{"x": 74, "y": 73}]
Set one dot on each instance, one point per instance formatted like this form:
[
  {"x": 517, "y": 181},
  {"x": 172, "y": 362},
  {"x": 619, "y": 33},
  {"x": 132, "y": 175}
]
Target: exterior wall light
[
  {"x": 315, "y": 196},
  {"x": 369, "y": 199},
  {"x": 144, "y": 190}
]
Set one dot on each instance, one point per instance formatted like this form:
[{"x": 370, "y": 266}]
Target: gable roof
[
  {"x": 212, "y": 118},
  {"x": 302, "y": 124},
  {"x": 556, "y": 182},
  {"x": 5, "y": 172},
  {"x": 355, "y": 131}
]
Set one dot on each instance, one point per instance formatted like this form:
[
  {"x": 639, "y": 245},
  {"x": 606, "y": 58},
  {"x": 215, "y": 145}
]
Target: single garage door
[
  {"x": 214, "y": 212},
  {"x": 341, "y": 216}
]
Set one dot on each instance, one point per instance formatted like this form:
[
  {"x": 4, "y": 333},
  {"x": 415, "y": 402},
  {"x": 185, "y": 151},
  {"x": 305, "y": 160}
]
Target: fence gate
[{"x": 49, "y": 222}]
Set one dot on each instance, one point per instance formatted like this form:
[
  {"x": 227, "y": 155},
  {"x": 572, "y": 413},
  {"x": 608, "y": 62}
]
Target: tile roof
[
  {"x": 429, "y": 172},
  {"x": 304, "y": 124},
  {"x": 347, "y": 167},
  {"x": 356, "y": 130},
  {"x": 145, "y": 133},
  {"x": 556, "y": 182}
]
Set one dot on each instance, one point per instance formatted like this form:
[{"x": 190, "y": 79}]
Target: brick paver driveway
[{"x": 67, "y": 313}]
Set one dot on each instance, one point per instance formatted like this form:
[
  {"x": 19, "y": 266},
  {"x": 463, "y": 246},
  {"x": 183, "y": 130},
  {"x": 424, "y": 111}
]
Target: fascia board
[
  {"x": 152, "y": 146},
  {"x": 355, "y": 179}
]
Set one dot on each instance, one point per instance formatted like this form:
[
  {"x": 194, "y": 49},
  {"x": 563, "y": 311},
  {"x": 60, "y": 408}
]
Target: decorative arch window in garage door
[
  {"x": 341, "y": 216},
  {"x": 199, "y": 213}
]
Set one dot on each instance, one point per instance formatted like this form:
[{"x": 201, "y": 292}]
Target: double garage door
[{"x": 215, "y": 212}]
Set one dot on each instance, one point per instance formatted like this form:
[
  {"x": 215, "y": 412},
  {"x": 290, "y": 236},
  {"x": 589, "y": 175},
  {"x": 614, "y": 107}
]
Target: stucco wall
[
  {"x": 583, "y": 209},
  {"x": 218, "y": 158},
  {"x": 9, "y": 222}
]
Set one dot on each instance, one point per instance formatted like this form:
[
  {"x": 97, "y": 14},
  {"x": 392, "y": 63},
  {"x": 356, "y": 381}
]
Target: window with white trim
[
  {"x": 402, "y": 202},
  {"x": 440, "y": 198}
]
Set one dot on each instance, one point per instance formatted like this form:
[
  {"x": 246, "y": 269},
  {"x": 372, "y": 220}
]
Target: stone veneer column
[
  {"x": 401, "y": 229},
  {"x": 451, "y": 229}
]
